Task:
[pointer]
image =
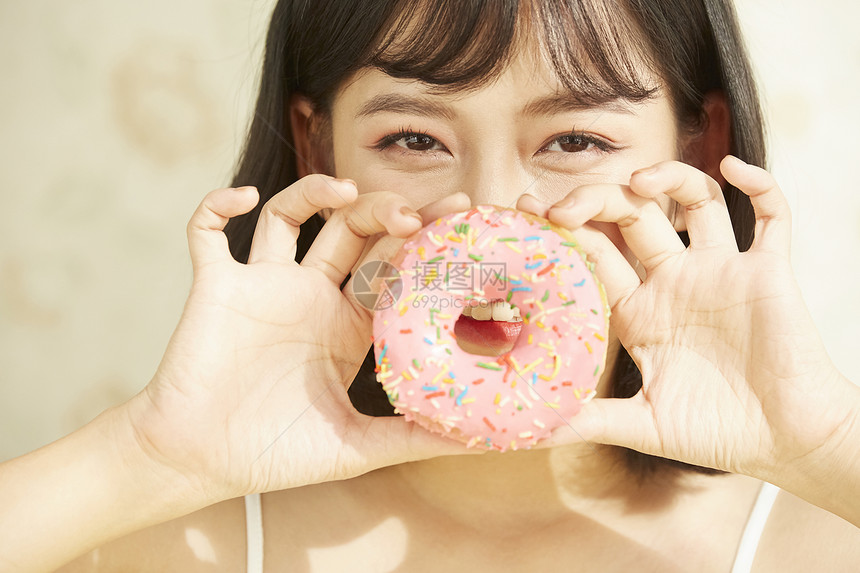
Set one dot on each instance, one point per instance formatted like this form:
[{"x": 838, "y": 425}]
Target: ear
[
  {"x": 705, "y": 149},
  {"x": 304, "y": 126}
]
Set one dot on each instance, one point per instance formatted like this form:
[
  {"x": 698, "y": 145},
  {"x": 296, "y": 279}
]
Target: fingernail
[
  {"x": 245, "y": 188},
  {"x": 349, "y": 181},
  {"x": 409, "y": 212},
  {"x": 738, "y": 160},
  {"x": 644, "y": 171}
]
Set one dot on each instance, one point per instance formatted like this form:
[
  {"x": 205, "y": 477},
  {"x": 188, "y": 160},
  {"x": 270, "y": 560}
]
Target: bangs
[{"x": 594, "y": 47}]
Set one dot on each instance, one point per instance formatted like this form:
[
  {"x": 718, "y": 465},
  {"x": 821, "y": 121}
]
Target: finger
[
  {"x": 642, "y": 223},
  {"x": 625, "y": 422},
  {"x": 278, "y": 226},
  {"x": 610, "y": 267},
  {"x": 445, "y": 206},
  {"x": 206, "y": 240},
  {"x": 385, "y": 247},
  {"x": 344, "y": 235},
  {"x": 707, "y": 219},
  {"x": 533, "y": 205},
  {"x": 772, "y": 214}
]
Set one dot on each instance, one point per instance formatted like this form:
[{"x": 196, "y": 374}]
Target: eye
[
  {"x": 578, "y": 142},
  {"x": 409, "y": 140}
]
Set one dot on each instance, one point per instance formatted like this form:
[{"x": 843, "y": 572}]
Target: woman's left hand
[{"x": 735, "y": 376}]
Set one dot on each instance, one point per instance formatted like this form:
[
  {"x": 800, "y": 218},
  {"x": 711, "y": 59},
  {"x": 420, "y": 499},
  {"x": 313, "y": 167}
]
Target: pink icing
[{"x": 517, "y": 399}]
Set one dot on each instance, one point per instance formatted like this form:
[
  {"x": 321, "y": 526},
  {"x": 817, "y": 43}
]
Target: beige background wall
[{"x": 118, "y": 116}]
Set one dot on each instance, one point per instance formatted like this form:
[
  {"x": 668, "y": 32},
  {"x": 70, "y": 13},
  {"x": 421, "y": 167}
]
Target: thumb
[{"x": 625, "y": 422}]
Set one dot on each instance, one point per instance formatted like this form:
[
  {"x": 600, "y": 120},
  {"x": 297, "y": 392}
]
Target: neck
[
  {"x": 568, "y": 488},
  {"x": 537, "y": 485},
  {"x": 515, "y": 487}
]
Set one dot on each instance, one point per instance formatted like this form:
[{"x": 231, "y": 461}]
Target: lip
[{"x": 486, "y": 337}]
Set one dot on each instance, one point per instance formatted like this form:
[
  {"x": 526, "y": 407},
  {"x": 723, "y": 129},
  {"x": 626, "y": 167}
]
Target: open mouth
[{"x": 490, "y": 328}]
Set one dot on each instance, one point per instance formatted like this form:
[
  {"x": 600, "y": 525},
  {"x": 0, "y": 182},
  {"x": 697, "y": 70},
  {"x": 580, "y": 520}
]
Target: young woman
[{"x": 633, "y": 123}]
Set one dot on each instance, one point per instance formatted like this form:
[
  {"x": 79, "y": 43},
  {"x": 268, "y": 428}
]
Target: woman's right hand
[{"x": 251, "y": 394}]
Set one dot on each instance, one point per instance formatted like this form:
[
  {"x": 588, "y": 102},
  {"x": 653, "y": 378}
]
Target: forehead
[{"x": 527, "y": 86}]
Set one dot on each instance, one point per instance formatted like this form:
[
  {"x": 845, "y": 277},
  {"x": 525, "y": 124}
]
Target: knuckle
[
  {"x": 697, "y": 204},
  {"x": 352, "y": 219},
  {"x": 274, "y": 208},
  {"x": 329, "y": 269},
  {"x": 630, "y": 218},
  {"x": 358, "y": 226}
]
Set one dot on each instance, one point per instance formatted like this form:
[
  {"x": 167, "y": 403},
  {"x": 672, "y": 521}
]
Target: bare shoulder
[
  {"x": 211, "y": 539},
  {"x": 807, "y": 538}
]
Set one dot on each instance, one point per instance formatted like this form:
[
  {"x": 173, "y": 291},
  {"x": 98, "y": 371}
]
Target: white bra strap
[
  {"x": 755, "y": 526},
  {"x": 254, "y": 528}
]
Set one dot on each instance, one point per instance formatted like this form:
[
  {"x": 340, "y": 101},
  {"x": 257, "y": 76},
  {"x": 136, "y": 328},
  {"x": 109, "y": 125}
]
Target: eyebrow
[
  {"x": 565, "y": 102},
  {"x": 413, "y": 105},
  {"x": 549, "y": 105}
]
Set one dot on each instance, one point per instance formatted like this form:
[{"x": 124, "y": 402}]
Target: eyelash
[
  {"x": 402, "y": 133},
  {"x": 391, "y": 139}
]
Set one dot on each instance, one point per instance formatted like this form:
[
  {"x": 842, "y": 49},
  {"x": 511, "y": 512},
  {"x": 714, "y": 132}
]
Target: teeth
[
  {"x": 482, "y": 312},
  {"x": 499, "y": 311},
  {"x": 502, "y": 311}
]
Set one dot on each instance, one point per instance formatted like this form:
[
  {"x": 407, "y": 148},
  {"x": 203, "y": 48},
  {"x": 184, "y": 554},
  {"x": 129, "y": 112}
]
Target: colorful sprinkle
[
  {"x": 462, "y": 395},
  {"x": 546, "y": 269}
]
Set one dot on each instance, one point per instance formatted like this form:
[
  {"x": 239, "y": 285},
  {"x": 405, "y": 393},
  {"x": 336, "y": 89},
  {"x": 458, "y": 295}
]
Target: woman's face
[{"x": 519, "y": 134}]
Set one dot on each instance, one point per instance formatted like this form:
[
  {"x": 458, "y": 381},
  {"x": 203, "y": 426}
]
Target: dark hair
[{"x": 596, "y": 47}]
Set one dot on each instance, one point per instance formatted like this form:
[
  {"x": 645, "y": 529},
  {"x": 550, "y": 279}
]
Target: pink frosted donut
[{"x": 514, "y": 398}]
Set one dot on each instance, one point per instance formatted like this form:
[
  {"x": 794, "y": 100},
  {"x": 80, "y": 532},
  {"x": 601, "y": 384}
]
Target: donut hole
[{"x": 488, "y": 327}]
